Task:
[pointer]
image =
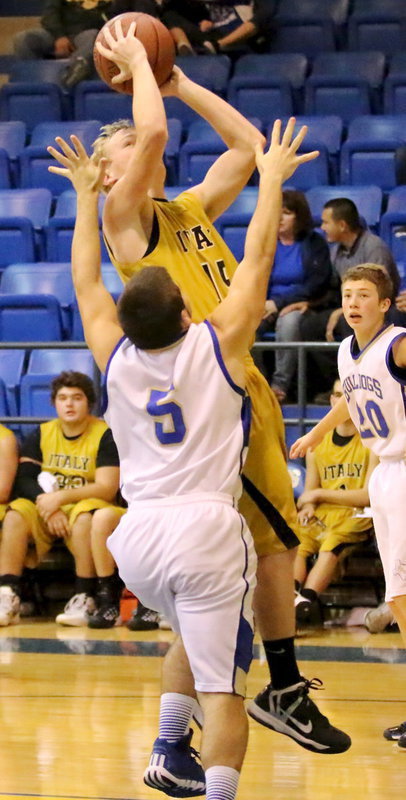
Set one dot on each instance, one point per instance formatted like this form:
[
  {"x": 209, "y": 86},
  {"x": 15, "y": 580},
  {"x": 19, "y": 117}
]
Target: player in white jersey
[
  {"x": 185, "y": 550},
  {"x": 372, "y": 367}
]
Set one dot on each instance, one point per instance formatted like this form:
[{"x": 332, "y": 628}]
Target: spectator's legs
[
  {"x": 13, "y": 550},
  {"x": 321, "y": 364},
  {"x": 321, "y": 575},
  {"x": 81, "y": 546},
  {"x": 286, "y": 330},
  {"x": 14, "y": 544},
  {"x": 37, "y": 43}
]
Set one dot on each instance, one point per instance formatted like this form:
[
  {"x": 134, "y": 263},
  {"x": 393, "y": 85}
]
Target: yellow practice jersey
[
  {"x": 188, "y": 245},
  {"x": 342, "y": 463},
  {"x": 73, "y": 461}
]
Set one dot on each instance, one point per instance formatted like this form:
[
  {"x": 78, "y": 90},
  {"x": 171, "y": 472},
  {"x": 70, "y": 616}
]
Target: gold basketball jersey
[
  {"x": 192, "y": 251},
  {"x": 342, "y": 467},
  {"x": 72, "y": 461},
  {"x": 5, "y": 433}
]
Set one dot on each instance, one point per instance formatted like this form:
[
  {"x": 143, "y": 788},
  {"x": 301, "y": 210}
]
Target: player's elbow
[{"x": 155, "y": 140}]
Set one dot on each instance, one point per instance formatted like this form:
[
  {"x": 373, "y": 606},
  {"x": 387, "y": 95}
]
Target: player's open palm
[
  {"x": 282, "y": 157},
  {"x": 124, "y": 49},
  {"x": 84, "y": 172}
]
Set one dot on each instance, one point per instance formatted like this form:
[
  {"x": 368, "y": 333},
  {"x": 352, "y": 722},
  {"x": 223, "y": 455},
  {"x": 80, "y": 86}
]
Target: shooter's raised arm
[{"x": 238, "y": 316}]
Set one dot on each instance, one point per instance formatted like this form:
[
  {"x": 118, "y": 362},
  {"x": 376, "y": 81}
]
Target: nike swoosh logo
[
  {"x": 277, "y": 652},
  {"x": 304, "y": 728}
]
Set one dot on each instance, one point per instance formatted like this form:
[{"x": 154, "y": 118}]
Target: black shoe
[
  {"x": 402, "y": 741},
  {"x": 291, "y": 711},
  {"x": 107, "y": 615},
  {"x": 308, "y": 612},
  {"x": 395, "y": 733},
  {"x": 143, "y": 619},
  {"x": 77, "y": 71}
]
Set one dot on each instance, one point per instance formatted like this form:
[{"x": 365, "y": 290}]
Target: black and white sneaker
[
  {"x": 107, "y": 615},
  {"x": 291, "y": 711},
  {"x": 143, "y": 619},
  {"x": 394, "y": 734}
]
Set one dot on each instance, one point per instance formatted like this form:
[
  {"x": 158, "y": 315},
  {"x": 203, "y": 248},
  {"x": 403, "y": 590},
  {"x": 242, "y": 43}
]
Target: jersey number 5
[
  {"x": 171, "y": 430},
  {"x": 375, "y": 418}
]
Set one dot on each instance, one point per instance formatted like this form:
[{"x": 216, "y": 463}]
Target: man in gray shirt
[{"x": 352, "y": 244}]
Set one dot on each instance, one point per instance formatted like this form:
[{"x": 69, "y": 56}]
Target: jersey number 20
[
  {"x": 375, "y": 418},
  {"x": 173, "y": 429}
]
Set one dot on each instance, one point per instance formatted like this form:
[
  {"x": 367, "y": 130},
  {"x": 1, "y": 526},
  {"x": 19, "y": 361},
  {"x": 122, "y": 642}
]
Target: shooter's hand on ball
[
  {"x": 86, "y": 174},
  {"x": 125, "y": 50}
]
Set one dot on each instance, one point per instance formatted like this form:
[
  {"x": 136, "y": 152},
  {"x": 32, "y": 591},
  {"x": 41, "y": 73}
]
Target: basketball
[{"x": 158, "y": 43}]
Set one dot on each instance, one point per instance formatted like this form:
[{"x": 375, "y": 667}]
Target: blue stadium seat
[
  {"x": 370, "y": 150},
  {"x": 368, "y": 200},
  {"x": 240, "y": 212},
  {"x": 171, "y": 155},
  {"x": 11, "y": 371},
  {"x": 201, "y": 148},
  {"x": 354, "y": 67},
  {"x": 341, "y": 95},
  {"x": 268, "y": 99},
  {"x": 308, "y": 35},
  {"x": 395, "y": 86},
  {"x": 31, "y": 103},
  {"x": 35, "y": 399},
  {"x": 41, "y": 278},
  {"x": 175, "y": 109},
  {"x": 95, "y": 100},
  {"x": 383, "y": 29},
  {"x": 12, "y": 140},
  {"x": 53, "y": 361},
  {"x": 113, "y": 283},
  {"x": 210, "y": 71},
  {"x": 33, "y": 317},
  {"x": 393, "y": 223},
  {"x": 23, "y": 215},
  {"x": 336, "y": 10},
  {"x": 35, "y": 160},
  {"x": 253, "y": 71},
  {"x": 4, "y": 408},
  {"x": 59, "y": 235},
  {"x": 234, "y": 237},
  {"x": 65, "y": 205},
  {"x": 39, "y": 70}
]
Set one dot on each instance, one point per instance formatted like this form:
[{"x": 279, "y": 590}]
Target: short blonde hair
[
  {"x": 106, "y": 132},
  {"x": 374, "y": 273}
]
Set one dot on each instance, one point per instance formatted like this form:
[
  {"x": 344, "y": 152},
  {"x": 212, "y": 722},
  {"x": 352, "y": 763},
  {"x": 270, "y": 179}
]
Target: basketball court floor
[{"x": 79, "y": 713}]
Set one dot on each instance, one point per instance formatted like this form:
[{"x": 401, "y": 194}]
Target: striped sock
[
  {"x": 221, "y": 783},
  {"x": 175, "y": 715}
]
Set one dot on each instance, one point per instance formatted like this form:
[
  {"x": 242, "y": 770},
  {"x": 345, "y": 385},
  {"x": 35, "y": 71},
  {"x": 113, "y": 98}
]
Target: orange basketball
[{"x": 158, "y": 43}]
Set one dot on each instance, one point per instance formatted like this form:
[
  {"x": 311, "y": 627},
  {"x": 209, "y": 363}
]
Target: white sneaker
[
  {"x": 164, "y": 624},
  {"x": 77, "y": 611},
  {"x": 9, "y": 606},
  {"x": 377, "y": 619}
]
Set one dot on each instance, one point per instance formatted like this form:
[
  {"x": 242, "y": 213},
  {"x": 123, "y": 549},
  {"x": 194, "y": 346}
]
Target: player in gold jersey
[
  {"x": 8, "y": 466},
  {"x": 337, "y": 476},
  {"x": 67, "y": 477},
  {"x": 180, "y": 235}
]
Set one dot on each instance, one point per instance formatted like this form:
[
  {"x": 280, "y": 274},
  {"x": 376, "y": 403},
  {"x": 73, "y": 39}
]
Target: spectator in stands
[
  {"x": 68, "y": 469},
  {"x": 352, "y": 244},
  {"x": 300, "y": 279},
  {"x": 68, "y": 30},
  {"x": 8, "y": 466},
  {"x": 214, "y": 26},
  {"x": 337, "y": 475}
]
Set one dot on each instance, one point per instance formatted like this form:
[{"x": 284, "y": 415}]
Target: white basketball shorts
[
  {"x": 387, "y": 492},
  {"x": 192, "y": 558}
]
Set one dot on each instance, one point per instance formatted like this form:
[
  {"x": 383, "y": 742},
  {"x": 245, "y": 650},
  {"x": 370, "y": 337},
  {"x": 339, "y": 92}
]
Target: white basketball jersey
[
  {"x": 375, "y": 390},
  {"x": 179, "y": 421}
]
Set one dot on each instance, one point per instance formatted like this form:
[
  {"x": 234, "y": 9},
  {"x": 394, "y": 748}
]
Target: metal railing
[{"x": 302, "y": 349}]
